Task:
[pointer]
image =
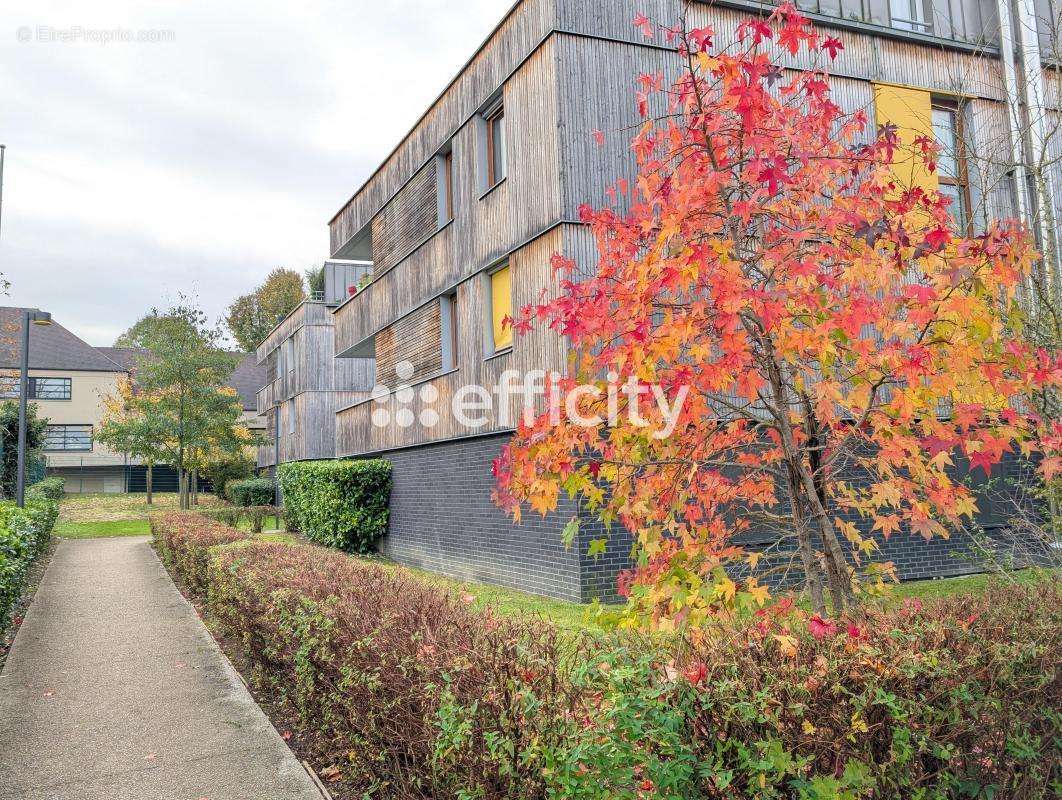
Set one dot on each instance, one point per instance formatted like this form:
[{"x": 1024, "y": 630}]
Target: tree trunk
[
  {"x": 147, "y": 481},
  {"x": 836, "y": 566},
  {"x": 812, "y": 573},
  {"x": 182, "y": 489}
]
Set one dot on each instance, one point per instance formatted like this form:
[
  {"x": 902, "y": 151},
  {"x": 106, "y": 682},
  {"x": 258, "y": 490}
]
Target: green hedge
[
  {"x": 47, "y": 489},
  {"x": 250, "y": 492},
  {"x": 24, "y": 534},
  {"x": 342, "y": 504}
]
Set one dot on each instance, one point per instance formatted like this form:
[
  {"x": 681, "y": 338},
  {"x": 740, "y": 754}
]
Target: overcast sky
[{"x": 138, "y": 170}]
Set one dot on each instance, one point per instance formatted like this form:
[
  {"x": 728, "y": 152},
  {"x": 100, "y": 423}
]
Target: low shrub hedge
[
  {"x": 341, "y": 504},
  {"x": 232, "y": 515},
  {"x": 47, "y": 489},
  {"x": 405, "y": 691},
  {"x": 250, "y": 492},
  {"x": 184, "y": 541},
  {"x": 24, "y": 535}
]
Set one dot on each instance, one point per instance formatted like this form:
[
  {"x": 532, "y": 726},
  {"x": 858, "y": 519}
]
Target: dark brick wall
[{"x": 443, "y": 520}]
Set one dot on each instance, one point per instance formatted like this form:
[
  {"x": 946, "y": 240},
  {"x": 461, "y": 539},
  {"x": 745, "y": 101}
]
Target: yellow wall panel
[
  {"x": 911, "y": 111},
  {"x": 501, "y": 304}
]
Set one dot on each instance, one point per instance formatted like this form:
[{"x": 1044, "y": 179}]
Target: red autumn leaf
[
  {"x": 821, "y": 628},
  {"x": 832, "y": 46}
]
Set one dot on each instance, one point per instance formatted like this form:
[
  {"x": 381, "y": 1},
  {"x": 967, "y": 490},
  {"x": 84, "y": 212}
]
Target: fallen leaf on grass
[
  {"x": 331, "y": 773},
  {"x": 285, "y": 735}
]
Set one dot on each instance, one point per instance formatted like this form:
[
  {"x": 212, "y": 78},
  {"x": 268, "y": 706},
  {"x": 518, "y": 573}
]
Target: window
[
  {"x": 39, "y": 388},
  {"x": 912, "y": 15},
  {"x": 289, "y": 362},
  {"x": 445, "y": 171},
  {"x": 448, "y": 334},
  {"x": 291, "y": 417},
  {"x": 68, "y": 437},
  {"x": 951, "y": 166},
  {"x": 494, "y": 121},
  {"x": 501, "y": 305},
  {"x": 49, "y": 388}
]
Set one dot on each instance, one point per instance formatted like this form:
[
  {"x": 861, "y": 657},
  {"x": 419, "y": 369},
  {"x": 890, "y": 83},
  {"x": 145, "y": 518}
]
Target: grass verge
[{"x": 103, "y": 529}]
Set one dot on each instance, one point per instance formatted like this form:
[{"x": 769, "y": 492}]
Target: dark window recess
[
  {"x": 68, "y": 437},
  {"x": 496, "y": 156}
]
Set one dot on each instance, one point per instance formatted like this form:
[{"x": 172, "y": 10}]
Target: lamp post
[{"x": 29, "y": 317}]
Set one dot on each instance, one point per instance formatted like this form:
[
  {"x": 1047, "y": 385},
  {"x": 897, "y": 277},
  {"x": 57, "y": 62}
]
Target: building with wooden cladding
[
  {"x": 306, "y": 383},
  {"x": 460, "y": 220}
]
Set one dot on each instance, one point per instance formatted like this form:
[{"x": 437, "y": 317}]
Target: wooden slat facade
[{"x": 565, "y": 68}]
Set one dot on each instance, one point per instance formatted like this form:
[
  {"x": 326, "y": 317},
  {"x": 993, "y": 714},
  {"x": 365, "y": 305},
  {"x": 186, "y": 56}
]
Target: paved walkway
[{"x": 114, "y": 690}]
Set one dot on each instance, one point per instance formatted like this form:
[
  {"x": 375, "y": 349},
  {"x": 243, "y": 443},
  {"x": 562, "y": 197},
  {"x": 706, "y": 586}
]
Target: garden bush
[
  {"x": 24, "y": 535},
  {"x": 47, "y": 489},
  {"x": 403, "y": 690},
  {"x": 250, "y": 492},
  {"x": 341, "y": 504},
  {"x": 184, "y": 541}
]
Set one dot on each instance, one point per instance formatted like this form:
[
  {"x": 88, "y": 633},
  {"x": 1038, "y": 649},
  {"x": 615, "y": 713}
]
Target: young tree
[
  {"x": 180, "y": 388},
  {"x": 832, "y": 344},
  {"x": 130, "y": 426},
  {"x": 35, "y": 430},
  {"x": 252, "y": 316}
]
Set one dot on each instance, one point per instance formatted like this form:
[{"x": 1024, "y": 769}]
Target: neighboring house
[
  {"x": 67, "y": 380},
  {"x": 460, "y": 221}
]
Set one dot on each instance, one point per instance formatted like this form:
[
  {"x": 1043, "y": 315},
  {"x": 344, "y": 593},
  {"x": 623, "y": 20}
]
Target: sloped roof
[
  {"x": 125, "y": 357},
  {"x": 51, "y": 346},
  {"x": 247, "y": 378}
]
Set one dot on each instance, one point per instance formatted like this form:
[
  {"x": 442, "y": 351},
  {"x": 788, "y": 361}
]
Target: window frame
[
  {"x": 448, "y": 332},
  {"x": 961, "y": 180},
  {"x": 34, "y": 391},
  {"x": 14, "y": 382},
  {"x": 444, "y": 178},
  {"x": 67, "y": 437},
  {"x": 497, "y": 155},
  {"x": 911, "y": 23}
]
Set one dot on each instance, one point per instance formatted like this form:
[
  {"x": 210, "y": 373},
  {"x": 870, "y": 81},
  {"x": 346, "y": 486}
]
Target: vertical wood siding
[
  {"x": 415, "y": 338},
  {"x": 509, "y": 45},
  {"x": 409, "y": 218},
  {"x": 541, "y": 349},
  {"x": 485, "y": 227}
]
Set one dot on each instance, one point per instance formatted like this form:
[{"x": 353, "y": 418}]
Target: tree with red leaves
[{"x": 811, "y": 316}]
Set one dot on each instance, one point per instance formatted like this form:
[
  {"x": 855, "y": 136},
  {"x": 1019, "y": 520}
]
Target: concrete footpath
[{"x": 114, "y": 689}]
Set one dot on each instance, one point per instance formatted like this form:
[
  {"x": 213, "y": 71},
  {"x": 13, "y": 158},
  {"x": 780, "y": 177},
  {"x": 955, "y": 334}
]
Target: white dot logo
[{"x": 403, "y": 396}]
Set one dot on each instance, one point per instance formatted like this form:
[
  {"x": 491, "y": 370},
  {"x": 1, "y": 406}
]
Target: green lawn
[
  {"x": 93, "y": 530},
  {"x": 946, "y": 587}
]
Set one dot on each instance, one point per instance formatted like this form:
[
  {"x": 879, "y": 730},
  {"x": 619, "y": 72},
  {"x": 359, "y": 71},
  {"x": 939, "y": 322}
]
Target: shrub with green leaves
[
  {"x": 47, "y": 489},
  {"x": 24, "y": 535},
  {"x": 341, "y": 504},
  {"x": 250, "y": 492}
]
